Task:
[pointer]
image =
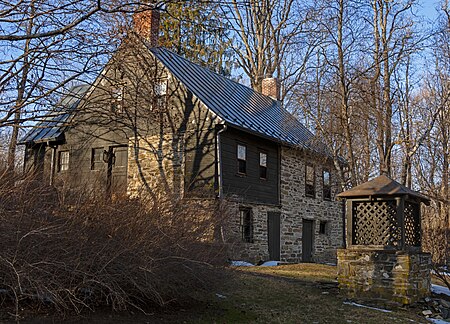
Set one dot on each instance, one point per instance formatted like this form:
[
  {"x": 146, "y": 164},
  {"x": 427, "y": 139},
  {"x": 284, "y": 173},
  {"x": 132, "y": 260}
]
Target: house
[{"x": 153, "y": 121}]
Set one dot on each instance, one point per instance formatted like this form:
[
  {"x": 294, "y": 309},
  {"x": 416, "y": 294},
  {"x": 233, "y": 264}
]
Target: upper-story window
[
  {"x": 310, "y": 190},
  {"x": 262, "y": 165},
  {"x": 242, "y": 158},
  {"x": 326, "y": 177},
  {"x": 117, "y": 98},
  {"x": 63, "y": 161},
  {"x": 160, "y": 92}
]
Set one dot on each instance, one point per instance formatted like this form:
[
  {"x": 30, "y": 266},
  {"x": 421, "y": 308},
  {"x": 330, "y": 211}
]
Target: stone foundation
[{"x": 399, "y": 276}]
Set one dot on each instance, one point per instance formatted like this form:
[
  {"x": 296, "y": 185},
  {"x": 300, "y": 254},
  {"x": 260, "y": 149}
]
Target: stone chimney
[
  {"x": 146, "y": 24},
  {"x": 271, "y": 87}
]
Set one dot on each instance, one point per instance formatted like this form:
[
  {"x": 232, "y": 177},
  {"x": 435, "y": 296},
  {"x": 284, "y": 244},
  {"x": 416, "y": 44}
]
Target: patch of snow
[
  {"x": 440, "y": 290},
  {"x": 270, "y": 263},
  {"x": 437, "y": 321},
  {"x": 370, "y": 307},
  {"x": 241, "y": 264}
]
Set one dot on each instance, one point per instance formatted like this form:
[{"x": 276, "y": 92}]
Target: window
[
  {"x": 246, "y": 224},
  {"x": 117, "y": 99},
  {"x": 97, "y": 158},
  {"x": 326, "y": 177},
  {"x": 160, "y": 93},
  {"x": 323, "y": 227},
  {"x": 309, "y": 181},
  {"x": 242, "y": 158},
  {"x": 262, "y": 165},
  {"x": 63, "y": 161}
]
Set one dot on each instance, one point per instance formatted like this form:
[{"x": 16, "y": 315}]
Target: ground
[{"x": 302, "y": 293}]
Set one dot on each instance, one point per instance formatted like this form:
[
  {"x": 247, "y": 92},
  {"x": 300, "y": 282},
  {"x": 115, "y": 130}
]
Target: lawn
[{"x": 300, "y": 293}]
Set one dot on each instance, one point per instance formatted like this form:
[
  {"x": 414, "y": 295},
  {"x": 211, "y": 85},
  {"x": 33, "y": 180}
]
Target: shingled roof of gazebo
[{"x": 382, "y": 186}]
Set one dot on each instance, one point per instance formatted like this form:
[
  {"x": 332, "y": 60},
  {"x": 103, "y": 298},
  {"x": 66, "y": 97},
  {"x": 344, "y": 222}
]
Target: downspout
[
  {"x": 52, "y": 164},
  {"x": 219, "y": 160}
]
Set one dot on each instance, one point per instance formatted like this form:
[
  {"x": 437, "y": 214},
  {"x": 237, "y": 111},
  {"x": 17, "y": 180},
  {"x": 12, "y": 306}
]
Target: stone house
[{"x": 154, "y": 121}]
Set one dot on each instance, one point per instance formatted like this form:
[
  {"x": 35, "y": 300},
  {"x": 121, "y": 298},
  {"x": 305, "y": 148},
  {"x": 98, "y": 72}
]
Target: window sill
[{"x": 241, "y": 175}]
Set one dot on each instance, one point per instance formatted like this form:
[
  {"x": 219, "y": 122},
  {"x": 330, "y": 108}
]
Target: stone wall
[
  {"x": 400, "y": 276},
  {"x": 239, "y": 250},
  {"x": 296, "y": 206}
]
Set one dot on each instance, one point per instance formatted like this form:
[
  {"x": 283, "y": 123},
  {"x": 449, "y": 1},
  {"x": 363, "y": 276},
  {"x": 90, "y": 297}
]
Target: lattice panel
[
  {"x": 412, "y": 224},
  {"x": 375, "y": 223}
]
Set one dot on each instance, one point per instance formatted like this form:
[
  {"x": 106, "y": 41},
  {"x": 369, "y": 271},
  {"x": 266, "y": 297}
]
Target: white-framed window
[
  {"x": 242, "y": 158},
  {"x": 263, "y": 165},
  {"x": 63, "y": 161}
]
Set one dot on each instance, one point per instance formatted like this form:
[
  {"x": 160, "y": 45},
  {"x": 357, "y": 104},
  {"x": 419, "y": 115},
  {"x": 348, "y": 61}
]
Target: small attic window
[
  {"x": 160, "y": 88},
  {"x": 117, "y": 98}
]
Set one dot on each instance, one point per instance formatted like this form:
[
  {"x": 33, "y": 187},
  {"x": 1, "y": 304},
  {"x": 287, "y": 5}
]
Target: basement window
[
  {"x": 263, "y": 165},
  {"x": 323, "y": 227},
  {"x": 63, "y": 161},
  {"x": 326, "y": 177},
  {"x": 309, "y": 181},
  {"x": 246, "y": 224},
  {"x": 242, "y": 158}
]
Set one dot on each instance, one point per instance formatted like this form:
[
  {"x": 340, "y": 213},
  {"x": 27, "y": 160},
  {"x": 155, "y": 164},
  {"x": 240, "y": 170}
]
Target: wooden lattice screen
[
  {"x": 412, "y": 224},
  {"x": 375, "y": 223}
]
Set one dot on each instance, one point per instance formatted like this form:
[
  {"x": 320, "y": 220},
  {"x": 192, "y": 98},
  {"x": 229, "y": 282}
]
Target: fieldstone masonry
[
  {"x": 294, "y": 207},
  {"x": 383, "y": 258},
  {"x": 400, "y": 276}
]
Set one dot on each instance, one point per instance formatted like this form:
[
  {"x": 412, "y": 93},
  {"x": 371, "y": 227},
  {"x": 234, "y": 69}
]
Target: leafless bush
[
  {"x": 123, "y": 254},
  {"x": 436, "y": 234}
]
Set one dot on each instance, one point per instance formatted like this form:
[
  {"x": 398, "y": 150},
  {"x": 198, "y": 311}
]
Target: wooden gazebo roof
[{"x": 382, "y": 186}]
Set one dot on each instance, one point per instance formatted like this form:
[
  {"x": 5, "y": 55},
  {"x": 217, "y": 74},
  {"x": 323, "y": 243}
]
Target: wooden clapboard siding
[{"x": 249, "y": 187}]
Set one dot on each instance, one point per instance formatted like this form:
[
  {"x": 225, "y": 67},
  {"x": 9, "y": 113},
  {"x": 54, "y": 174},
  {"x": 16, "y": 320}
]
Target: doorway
[
  {"x": 273, "y": 234},
  {"x": 307, "y": 240}
]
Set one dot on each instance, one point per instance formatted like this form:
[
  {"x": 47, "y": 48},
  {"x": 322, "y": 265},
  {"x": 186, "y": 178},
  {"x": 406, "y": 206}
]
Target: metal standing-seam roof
[
  {"x": 237, "y": 104},
  {"x": 53, "y": 125}
]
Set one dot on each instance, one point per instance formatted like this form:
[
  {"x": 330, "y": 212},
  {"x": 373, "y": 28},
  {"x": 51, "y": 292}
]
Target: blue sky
[{"x": 427, "y": 8}]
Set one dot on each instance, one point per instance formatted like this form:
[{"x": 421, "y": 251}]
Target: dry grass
[
  {"x": 303, "y": 271},
  {"x": 122, "y": 255},
  {"x": 291, "y": 294}
]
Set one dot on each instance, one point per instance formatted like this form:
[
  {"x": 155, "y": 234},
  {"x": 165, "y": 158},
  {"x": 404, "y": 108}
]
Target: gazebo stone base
[{"x": 398, "y": 276}]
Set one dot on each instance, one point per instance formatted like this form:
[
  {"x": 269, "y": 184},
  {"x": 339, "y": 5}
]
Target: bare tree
[{"x": 272, "y": 39}]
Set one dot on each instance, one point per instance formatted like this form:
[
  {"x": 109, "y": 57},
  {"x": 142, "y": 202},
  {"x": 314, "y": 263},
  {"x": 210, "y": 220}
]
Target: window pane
[
  {"x": 246, "y": 225},
  {"x": 242, "y": 166},
  {"x": 309, "y": 174},
  {"x": 63, "y": 160},
  {"x": 263, "y": 159},
  {"x": 326, "y": 178},
  {"x": 97, "y": 158},
  {"x": 241, "y": 152}
]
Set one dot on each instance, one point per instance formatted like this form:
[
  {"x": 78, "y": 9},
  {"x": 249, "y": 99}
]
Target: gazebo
[{"x": 383, "y": 257}]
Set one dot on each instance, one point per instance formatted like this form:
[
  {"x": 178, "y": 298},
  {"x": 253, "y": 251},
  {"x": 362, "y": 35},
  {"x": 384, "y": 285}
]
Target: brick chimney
[
  {"x": 146, "y": 24},
  {"x": 271, "y": 87}
]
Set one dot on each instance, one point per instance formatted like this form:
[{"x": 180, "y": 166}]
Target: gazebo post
[
  {"x": 383, "y": 258},
  {"x": 400, "y": 202},
  {"x": 349, "y": 221}
]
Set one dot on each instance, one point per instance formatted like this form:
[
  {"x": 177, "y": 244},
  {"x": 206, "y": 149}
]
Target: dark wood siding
[{"x": 249, "y": 186}]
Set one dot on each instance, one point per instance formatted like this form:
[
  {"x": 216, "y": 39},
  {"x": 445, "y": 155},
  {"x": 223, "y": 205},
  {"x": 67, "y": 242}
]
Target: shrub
[{"x": 123, "y": 254}]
